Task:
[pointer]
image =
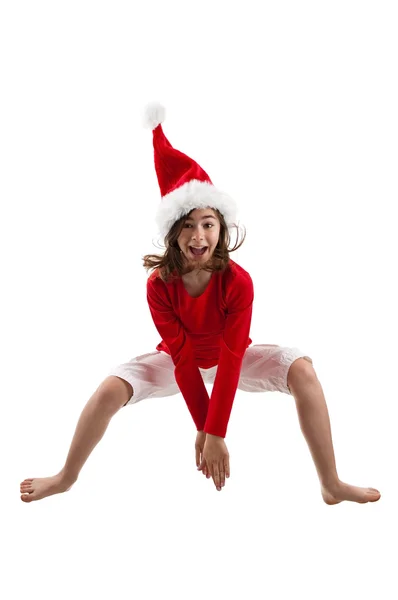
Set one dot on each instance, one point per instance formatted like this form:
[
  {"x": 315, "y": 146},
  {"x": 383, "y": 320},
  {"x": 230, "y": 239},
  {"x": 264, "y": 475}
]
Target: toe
[{"x": 373, "y": 495}]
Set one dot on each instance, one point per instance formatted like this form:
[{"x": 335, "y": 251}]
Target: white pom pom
[{"x": 155, "y": 113}]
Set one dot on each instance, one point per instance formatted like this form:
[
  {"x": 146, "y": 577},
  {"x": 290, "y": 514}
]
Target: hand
[
  {"x": 215, "y": 457},
  {"x": 199, "y": 446}
]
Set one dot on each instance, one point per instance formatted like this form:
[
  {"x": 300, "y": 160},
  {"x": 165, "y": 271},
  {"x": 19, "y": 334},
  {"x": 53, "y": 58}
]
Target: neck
[{"x": 194, "y": 272}]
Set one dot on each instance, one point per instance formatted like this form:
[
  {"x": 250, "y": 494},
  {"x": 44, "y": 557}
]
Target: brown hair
[{"x": 172, "y": 260}]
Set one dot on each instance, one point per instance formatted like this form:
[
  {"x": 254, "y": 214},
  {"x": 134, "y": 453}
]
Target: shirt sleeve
[
  {"x": 186, "y": 372},
  {"x": 234, "y": 342}
]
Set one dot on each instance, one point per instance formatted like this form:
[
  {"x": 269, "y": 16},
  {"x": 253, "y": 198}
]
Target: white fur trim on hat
[
  {"x": 191, "y": 195},
  {"x": 154, "y": 114}
]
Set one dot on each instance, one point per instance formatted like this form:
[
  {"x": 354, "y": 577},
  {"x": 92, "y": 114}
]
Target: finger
[
  {"x": 197, "y": 456},
  {"x": 227, "y": 469},
  {"x": 216, "y": 476},
  {"x": 205, "y": 469},
  {"x": 222, "y": 476}
]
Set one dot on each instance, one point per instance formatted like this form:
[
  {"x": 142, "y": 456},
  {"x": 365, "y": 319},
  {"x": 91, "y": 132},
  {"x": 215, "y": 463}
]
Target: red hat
[{"x": 184, "y": 185}]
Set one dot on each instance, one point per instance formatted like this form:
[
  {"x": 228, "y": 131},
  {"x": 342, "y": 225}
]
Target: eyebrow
[{"x": 206, "y": 217}]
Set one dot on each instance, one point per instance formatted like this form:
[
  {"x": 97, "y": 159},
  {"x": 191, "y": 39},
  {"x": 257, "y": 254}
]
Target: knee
[
  {"x": 301, "y": 370},
  {"x": 114, "y": 392}
]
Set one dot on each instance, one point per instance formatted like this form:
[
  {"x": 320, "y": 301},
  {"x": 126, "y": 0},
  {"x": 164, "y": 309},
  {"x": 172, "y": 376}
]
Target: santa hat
[{"x": 184, "y": 185}]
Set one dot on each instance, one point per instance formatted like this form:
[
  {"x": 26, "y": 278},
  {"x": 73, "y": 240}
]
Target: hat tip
[{"x": 154, "y": 114}]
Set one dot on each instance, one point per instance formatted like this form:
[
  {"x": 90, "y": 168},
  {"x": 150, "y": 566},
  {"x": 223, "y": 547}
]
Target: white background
[{"x": 291, "y": 108}]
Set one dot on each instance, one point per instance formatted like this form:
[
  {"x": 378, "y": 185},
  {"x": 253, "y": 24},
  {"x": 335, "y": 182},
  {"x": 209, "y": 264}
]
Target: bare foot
[
  {"x": 36, "y": 489},
  {"x": 343, "y": 491}
]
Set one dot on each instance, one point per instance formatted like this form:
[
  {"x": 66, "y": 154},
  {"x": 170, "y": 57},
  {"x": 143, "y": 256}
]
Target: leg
[
  {"x": 315, "y": 424},
  {"x": 111, "y": 395}
]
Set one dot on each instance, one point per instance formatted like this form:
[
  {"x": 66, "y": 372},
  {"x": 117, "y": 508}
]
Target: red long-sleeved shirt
[{"x": 202, "y": 332}]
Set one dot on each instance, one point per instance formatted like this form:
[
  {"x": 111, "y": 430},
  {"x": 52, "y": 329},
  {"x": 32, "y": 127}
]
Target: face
[{"x": 201, "y": 229}]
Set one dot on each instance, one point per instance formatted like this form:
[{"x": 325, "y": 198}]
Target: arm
[
  {"x": 233, "y": 346},
  {"x": 186, "y": 371}
]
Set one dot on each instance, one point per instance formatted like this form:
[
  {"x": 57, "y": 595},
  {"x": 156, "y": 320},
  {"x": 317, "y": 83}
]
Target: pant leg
[
  {"x": 265, "y": 368},
  {"x": 151, "y": 375}
]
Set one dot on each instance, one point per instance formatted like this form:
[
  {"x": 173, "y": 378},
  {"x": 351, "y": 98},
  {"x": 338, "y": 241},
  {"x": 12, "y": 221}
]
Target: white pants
[{"x": 264, "y": 369}]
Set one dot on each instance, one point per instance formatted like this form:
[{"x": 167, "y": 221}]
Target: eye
[{"x": 189, "y": 224}]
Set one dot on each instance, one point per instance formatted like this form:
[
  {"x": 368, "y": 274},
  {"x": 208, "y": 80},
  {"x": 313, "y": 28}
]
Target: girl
[{"x": 201, "y": 303}]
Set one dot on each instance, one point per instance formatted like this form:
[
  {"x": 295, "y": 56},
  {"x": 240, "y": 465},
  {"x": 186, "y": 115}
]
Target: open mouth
[{"x": 198, "y": 251}]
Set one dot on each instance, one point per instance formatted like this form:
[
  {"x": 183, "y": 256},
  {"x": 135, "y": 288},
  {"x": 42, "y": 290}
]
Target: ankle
[
  {"x": 332, "y": 483},
  {"x": 68, "y": 477}
]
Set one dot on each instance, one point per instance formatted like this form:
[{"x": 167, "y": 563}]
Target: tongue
[{"x": 196, "y": 251}]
